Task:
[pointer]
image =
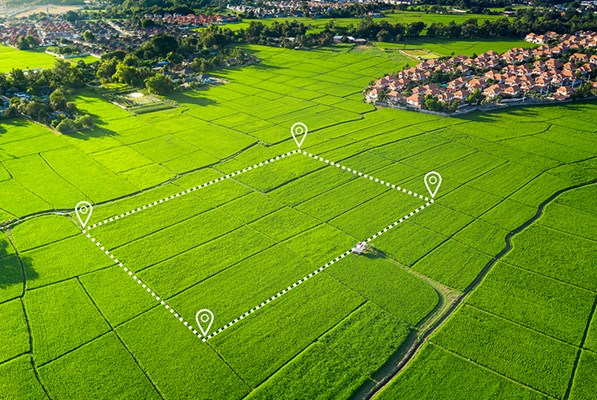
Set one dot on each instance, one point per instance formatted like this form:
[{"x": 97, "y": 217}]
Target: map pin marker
[
  {"x": 433, "y": 180},
  {"x": 204, "y": 320},
  {"x": 83, "y": 210},
  {"x": 299, "y": 133}
]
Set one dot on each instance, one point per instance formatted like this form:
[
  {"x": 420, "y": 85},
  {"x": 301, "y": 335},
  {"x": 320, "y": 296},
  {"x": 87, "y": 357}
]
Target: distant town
[
  {"x": 100, "y": 36},
  {"x": 563, "y": 67}
]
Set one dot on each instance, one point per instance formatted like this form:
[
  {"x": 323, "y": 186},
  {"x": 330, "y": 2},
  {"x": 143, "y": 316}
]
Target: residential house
[
  {"x": 494, "y": 90},
  {"x": 372, "y": 95},
  {"x": 395, "y": 97},
  {"x": 416, "y": 100},
  {"x": 461, "y": 94},
  {"x": 563, "y": 93},
  {"x": 579, "y": 57},
  {"x": 512, "y": 91},
  {"x": 456, "y": 84},
  {"x": 476, "y": 83}
]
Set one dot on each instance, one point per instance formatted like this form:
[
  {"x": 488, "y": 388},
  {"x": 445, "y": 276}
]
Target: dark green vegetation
[{"x": 77, "y": 326}]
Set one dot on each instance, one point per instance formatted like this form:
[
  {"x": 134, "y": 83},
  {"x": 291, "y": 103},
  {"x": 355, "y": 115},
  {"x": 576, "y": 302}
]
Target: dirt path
[{"x": 413, "y": 345}]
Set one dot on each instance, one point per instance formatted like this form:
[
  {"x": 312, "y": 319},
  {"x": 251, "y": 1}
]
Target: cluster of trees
[
  {"x": 517, "y": 27},
  {"x": 126, "y": 8},
  {"x": 56, "y": 112},
  {"x": 583, "y": 91},
  {"x": 274, "y": 34},
  {"x": 27, "y": 42},
  {"x": 120, "y": 67},
  {"x": 41, "y": 95},
  {"x": 200, "y": 53},
  {"x": 503, "y": 27},
  {"x": 381, "y": 30},
  {"x": 63, "y": 75},
  {"x": 433, "y": 104},
  {"x": 41, "y": 2},
  {"x": 468, "y": 4},
  {"x": 64, "y": 50}
]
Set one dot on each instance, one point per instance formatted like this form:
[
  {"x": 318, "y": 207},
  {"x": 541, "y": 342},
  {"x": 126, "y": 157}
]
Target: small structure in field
[{"x": 360, "y": 248}]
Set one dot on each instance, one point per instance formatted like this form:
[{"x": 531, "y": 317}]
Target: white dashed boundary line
[
  {"x": 189, "y": 326},
  {"x": 318, "y": 270},
  {"x": 189, "y": 190},
  {"x": 250, "y": 168},
  {"x": 144, "y": 285},
  {"x": 366, "y": 176}
]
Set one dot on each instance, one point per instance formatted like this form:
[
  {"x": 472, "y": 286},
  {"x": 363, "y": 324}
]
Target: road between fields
[{"x": 369, "y": 391}]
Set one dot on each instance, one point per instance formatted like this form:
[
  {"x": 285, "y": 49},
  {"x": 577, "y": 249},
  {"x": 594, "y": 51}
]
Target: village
[
  {"x": 558, "y": 68},
  {"x": 311, "y": 9},
  {"x": 98, "y": 37}
]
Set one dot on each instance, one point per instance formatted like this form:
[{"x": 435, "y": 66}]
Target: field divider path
[
  {"x": 366, "y": 176},
  {"x": 315, "y": 272},
  {"x": 192, "y": 189}
]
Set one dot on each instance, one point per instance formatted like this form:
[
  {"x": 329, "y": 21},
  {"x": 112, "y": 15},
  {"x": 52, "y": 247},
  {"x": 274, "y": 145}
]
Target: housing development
[{"x": 553, "y": 71}]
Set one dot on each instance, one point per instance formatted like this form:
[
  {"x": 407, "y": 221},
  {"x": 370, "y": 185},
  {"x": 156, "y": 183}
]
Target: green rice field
[
  {"x": 11, "y": 58},
  {"x": 402, "y": 17},
  {"x": 78, "y": 325}
]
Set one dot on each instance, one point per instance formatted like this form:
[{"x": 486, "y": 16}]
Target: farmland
[
  {"x": 402, "y": 17},
  {"x": 525, "y": 330},
  {"x": 539, "y": 321},
  {"x": 12, "y": 58}
]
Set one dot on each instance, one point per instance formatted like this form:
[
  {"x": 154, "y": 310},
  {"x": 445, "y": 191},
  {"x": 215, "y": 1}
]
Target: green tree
[
  {"x": 83, "y": 122},
  {"x": 118, "y": 54},
  {"x": 147, "y": 23},
  {"x": 128, "y": 75},
  {"x": 414, "y": 29},
  {"x": 67, "y": 125},
  {"x": 27, "y": 42},
  {"x": 67, "y": 75},
  {"x": 33, "y": 109},
  {"x": 475, "y": 97},
  {"x": 17, "y": 79},
  {"x": 162, "y": 45},
  {"x": 131, "y": 60},
  {"x": 58, "y": 100},
  {"x": 107, "y": 69},
  {"x": 198, "y": 65},
  {"x": 384, "y": 36},
  {"x": 71, "y": 108},
  {"x": 159, "y": 84},
  {"x": 584, "y": 90},
  {"x": 72, "y": 16},
  {"x": 11, "y": 112},
  {"x": 88, "y": 36}
]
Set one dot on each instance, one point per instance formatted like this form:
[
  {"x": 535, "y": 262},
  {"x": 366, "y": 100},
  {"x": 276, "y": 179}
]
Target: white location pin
[
  {"x": 299, "y": 133},
  {"x": 83, "y": 210},
  {"x": 204, "y": 320},
  {"x": 433, "y": 180}
]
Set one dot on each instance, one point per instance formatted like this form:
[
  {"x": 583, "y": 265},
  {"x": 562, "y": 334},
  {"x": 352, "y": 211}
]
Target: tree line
[{"x": 504, "y": 27}]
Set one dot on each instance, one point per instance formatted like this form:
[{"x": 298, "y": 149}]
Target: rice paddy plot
[{"x": 188, "y": 272}]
